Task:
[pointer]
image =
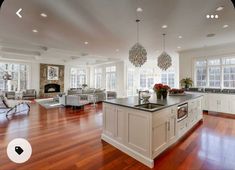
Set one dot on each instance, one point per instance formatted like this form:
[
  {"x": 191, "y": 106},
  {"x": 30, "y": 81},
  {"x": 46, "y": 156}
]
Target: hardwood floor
[{"x": 64, "y": 138}]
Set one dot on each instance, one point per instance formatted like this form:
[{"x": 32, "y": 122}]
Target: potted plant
[
  {"x": 161, "y": 90},
  {"x": 186, "y": 82}
]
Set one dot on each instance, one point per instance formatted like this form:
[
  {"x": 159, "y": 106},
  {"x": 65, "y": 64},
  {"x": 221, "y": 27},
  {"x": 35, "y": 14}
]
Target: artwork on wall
[{"x": 52, "y": 73}]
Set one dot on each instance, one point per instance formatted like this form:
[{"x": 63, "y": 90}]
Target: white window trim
[
  {"x": 29, "y": 75},
  {"x": 115, "y": 88},
  {"x": 77, "y": 67},
  {"x": 207, "y": 76}
]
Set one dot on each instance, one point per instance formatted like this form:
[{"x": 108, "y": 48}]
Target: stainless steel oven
[{"x": 182, "y": 112}]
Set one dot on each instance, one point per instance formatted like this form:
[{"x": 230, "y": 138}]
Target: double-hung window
[
  {"x": 146, "y": 78},
  {"x": 130, "y": 81},
  {"x": 19, "y": 76},
  {"x": 77, "y": 77},
  {"x": 111, "y": 78},
  {"x": 98, "y": 77},
  {"x": 215, "y": 72},
  {"x": 168, "y": 77},
  {"x": 229, "y": 72},
  {"x": 201, "y": 73}
]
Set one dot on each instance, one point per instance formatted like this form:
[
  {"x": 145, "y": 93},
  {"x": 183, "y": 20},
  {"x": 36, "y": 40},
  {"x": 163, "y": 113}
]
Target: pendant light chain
[
  {"x": 164, "y": 42},
  {"x": 137, "y": 22}
]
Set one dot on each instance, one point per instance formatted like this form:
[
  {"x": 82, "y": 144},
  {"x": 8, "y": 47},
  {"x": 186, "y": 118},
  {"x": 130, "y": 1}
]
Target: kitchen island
[{"x": 144, "y": 131}]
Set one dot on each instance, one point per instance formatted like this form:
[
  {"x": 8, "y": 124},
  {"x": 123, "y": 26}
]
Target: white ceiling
[{"x": 110, "y": 24}]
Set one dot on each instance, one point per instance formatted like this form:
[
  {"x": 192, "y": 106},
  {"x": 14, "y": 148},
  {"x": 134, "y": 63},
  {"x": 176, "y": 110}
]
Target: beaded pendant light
[
  {"x": 137, "y": 54},
  {"x": 164, "y": 60}
]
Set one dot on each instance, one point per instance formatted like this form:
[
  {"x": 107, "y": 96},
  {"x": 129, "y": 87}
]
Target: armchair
[
  {"x": 10, "y": 95},
  {"x": 29, "y": 94}
]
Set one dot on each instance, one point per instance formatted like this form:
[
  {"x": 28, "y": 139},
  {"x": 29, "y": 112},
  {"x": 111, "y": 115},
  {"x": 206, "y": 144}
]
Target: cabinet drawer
[{"x": 182, "y": 127}]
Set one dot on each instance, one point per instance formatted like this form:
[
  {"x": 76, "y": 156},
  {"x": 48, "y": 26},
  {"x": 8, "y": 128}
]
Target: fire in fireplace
[{"x": 52, "y": 88}]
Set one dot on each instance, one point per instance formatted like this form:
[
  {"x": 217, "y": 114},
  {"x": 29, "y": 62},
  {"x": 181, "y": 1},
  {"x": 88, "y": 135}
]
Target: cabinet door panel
[
  {"x": 160, "y": 131},
  {"x": 110, "y": 124},
  {"x": 223, "y": 103},
  {"x": 213, "y": 102},
  {"x": 138, "y": 132},
  {"x": 160, "y": 137},
  {"x": 121, "y": 126},
  {"x": 232, "y": 104},
  {"x": 172, "y": 128}
]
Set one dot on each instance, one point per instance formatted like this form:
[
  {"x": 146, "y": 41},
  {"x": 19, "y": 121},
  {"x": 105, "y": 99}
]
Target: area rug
[{"x": 49, "y": 103}]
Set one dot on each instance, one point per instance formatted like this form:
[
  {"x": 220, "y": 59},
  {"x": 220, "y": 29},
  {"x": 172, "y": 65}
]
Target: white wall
[{"x": 186, "y": 58}]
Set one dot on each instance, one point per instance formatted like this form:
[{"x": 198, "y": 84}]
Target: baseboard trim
[
  {"x": 218, "y": 114},
  {"x": 141, "y": 158}
]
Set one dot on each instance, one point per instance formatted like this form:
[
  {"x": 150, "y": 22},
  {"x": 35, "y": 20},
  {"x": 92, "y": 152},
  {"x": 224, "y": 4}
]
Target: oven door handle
[{"x": 182, "y": 118}]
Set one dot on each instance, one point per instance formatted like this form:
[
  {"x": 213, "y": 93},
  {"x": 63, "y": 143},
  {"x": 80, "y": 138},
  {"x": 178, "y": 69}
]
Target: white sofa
[{"x": 72, "y": 100}]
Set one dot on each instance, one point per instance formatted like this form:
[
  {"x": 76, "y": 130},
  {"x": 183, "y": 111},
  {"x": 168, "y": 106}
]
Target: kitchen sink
[{"x": 149, "y": 106}]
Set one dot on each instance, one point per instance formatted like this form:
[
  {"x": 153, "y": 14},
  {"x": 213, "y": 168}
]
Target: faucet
[{"x": 139, "y": 95}]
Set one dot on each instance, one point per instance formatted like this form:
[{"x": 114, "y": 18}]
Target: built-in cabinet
[
  {"x": 164, "y": 130},
  {"x": 144, "y": 135},
  {"x": 214, "y": 102}
]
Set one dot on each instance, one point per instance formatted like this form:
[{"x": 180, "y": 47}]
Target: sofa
[
  {"x": 29, "y": 94},
  {"x": 111, "y": 95},
  {"x": 84, "y": 93},
  {"x": 72, "y": 100},
  {"x": 10, "y": 95}
]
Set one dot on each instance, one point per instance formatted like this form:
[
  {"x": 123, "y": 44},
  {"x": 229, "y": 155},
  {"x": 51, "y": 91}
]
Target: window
[
  {"x": 168, "y": 77},
  {"x": 77, "y": 77},
  {"x": 19, "y": 73},
  {"x": 146, "y": 78},
  {"x": 215, "y": 72},
  {"x": 130, "y": 81},
  {"x": 111, "y": 78},
  {"x": 201, "y": 73},
  {"x": 98, "y": 77},
  {"x": 229, "y": 72}
]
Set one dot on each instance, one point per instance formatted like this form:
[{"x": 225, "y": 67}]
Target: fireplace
[{"x": 52, "y": 88}]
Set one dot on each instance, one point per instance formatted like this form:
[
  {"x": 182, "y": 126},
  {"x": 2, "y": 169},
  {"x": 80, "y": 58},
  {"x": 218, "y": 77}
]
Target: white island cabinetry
[{"x": 142, "y": 134}]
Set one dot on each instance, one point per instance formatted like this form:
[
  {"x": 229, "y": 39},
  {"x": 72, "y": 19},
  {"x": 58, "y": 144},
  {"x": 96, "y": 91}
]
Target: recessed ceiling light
[
  {"x": 208, "y": 16},
  {"x": 216, "y": 16},
  {"x": 35, "y": 31},
  {"x": 220, "y": 8},
  {"x": 86, "y": 42},
  {"x": 179, "y": 47},
  {"x": 210, "y": 35},
  {"x": 180, "y": 37},
  {"x": 212, "y": 16},
  {"x": 164, "y": 26},
  {"x": 139, "y": 9},
  {"x": 43, "y": 15},
  {"x": 225, "y": 26}
]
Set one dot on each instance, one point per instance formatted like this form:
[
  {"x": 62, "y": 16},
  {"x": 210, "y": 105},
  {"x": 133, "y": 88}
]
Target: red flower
[{"x": 160, "y": 87}]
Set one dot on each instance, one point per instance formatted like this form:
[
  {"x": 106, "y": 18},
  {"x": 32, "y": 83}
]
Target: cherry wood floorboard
[{"x": 69, "y": 139}]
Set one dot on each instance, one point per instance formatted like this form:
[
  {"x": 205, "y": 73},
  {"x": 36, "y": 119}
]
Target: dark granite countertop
[
  {"x": 131, "y": 102},
  {"x": 211, "y": 90}
]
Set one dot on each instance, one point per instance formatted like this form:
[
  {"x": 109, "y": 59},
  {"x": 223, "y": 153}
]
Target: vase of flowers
[{"x": 161, "y": 90}]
